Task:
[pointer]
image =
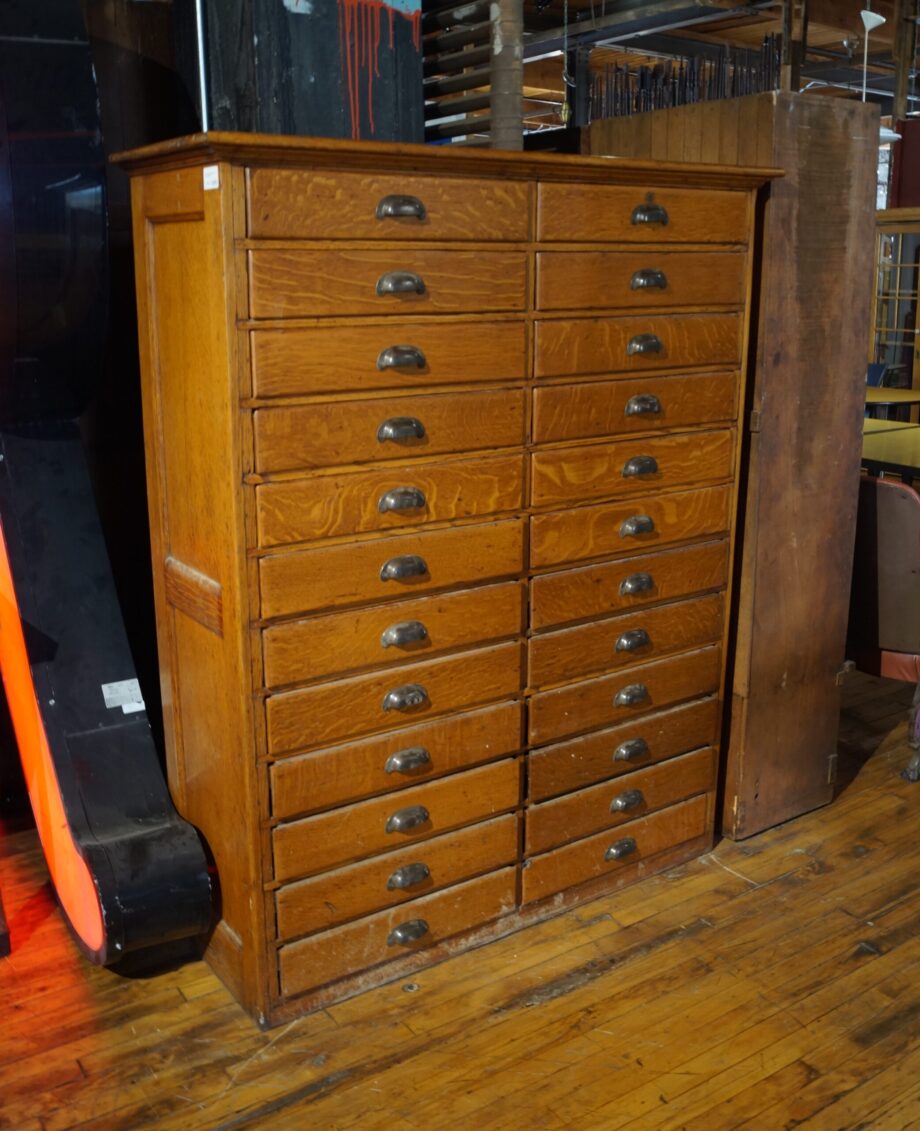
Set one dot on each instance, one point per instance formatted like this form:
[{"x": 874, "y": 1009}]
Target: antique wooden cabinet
[{"x": 442, "y": 454}]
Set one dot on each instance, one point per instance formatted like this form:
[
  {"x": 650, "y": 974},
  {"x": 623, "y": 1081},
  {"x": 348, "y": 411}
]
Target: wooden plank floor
[{"x": 772, "y": 983}]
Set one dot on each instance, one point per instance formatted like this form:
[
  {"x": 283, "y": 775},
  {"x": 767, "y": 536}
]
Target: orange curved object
[{"x": 72, "y": 878}]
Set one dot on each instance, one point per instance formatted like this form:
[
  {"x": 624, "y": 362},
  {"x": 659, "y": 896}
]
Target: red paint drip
[{"x": 359, "y": 44}]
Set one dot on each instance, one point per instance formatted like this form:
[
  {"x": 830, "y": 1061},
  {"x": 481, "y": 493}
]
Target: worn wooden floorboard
[{"x": 772, "y": 982}]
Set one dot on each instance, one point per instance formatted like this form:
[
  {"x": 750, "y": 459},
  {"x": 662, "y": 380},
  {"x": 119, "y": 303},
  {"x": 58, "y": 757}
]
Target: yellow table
[
  {"x": 872, "y": 426},
  {"x": 884, "y": 396},
  {"x": 892, "y": 449}
]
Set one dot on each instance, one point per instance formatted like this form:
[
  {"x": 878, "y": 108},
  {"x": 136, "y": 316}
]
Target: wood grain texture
[
  {"x": 605, "y": 213},
  {"x": 332, "y": 576},
  {"x": 580, "y": 762},
  {"x": 588, "y": 811},
  {"x": 595, "y": 531},
  {"x": 361, "y": 889},
  {"x": 588, "y": 705},
  {"x": 332, "y": 359},
  {"x": 572, "y": 653},
  {"x": 342, "y": 432},
  {"x": 585, "y": 859},
  {"x": 596, "y": 280},
  {"x": 306, "y": 847},
  {"x": 190, "y": 592},
  {"x": 296, "y": 283},
  {"x": 331, "y": 712},
  {"x": 349, "y": 503},
  {"x": 305, "y": 650},
  {"x": 598, "y": 408},
  {"x": 569, "y": 347},
  {"x": 596, "y": 471},
  {"x": 346, "y": 773},
  {"x": 337, "y": 205},
  {"x": 363, "y": 945}
]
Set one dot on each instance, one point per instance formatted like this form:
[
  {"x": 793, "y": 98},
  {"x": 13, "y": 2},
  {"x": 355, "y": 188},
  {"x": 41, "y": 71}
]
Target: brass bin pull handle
[
  {"x": 640, "y": 465},
  {"x": 649, "y": 278},
  {"x": 628, "y": 799},
  {"x": 401, "y": 499},
  {"x": 404, "y": 761},
  {"x": 406, "y": 565},
  {"x": 400, "y": 430},
  {"x": 636, "y": 583},
  {"x": 401, "y": 357},
  {"x": 649, "y": 213},
  {"x": 632, "y": 640},
  {"x": 405, "y": 698},
  {"x": 630, "y": 695},
  {"x": 400, "y": 283},
  {"x": 405, "y": 820},
  {"x": 407, "y": 933},
  {"x": 399, "y": 206},
  {"x": 409, "y": 876},
  {"x": 405, "y": 632},
  {"x": 643, "y": 404},
  {"x": 643, "y": 344},
  {"x": 621, "y": 848},
  {"x": 636, "y": 524},
  {"x": 630, "y": 749}
]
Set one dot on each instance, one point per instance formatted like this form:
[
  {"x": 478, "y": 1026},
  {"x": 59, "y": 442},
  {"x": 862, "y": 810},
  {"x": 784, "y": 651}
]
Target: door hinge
[
  {"x": 848, "y": 668},
  {"x": 754, "y": 420},
  {"x": 832, "y": 768}
]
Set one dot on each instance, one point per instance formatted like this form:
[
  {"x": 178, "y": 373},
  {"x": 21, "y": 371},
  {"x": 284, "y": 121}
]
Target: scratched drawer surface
[
  {"x": 315, "y": 844},
  {"x": 417, "y": 754},
  {"x": 609, "y": 699},
  {"x": 630, "y": 527},
  {"x": 568, "y": 347},
  {"x": 395, "y": 933},
  {"x": 300, "y": 437},
  {"x": 317, "y": 204},
  {"x": 384, "y": 636},
  {"x": 609, "y": 408},
  {"x": 383, "y": 355},
  {"x": 620, "y": 642},
  {"x": 586, "y": 280},
  {"x": 579, "y": 762},
  {"x": 634, "y": 466},
  {"x": 605, "y": 806},
  {"x": 601, "y": 213},
  {"x": 295, "y": 283},
  {"x": 614, "y": 850},
  {"x": 386, "y": 569},
  {"x": 336, "y": 897},
  {"x": 330, "y": 712}
]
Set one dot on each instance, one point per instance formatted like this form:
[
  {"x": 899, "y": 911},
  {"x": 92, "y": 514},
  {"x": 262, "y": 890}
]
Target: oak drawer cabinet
[{"x": 442, "y": 452}]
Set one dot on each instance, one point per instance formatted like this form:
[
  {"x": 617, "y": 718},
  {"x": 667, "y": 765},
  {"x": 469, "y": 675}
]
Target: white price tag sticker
[
  {"x": 125, "y": 694},
  {"x": 211, "y": 176}
]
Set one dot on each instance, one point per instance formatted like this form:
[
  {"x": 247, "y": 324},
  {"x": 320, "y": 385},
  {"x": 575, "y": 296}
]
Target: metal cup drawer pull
[
  {"x": 632, "y": 640},
  {"x": 643, "y": 404},
  {"x": 404, "y": 761},
  {"x": 621, "y": 848},
  {"x": 401, "y": 499},
  {"x": 406, "y": 819},
  {"x": 636, "y": 583},
  {"x": 631, "y": 749},
  {"x": 397, "y": 206},
  {"x": 649, "y": 213},
  {"x": 644, "y": 343},
  {"x": 401, "y": 357},
  {"x": 400, "y": 429},
  {"x": 405, "y": 698},
  {"x": 408, "y": 877},
  {"x": 630, "y": 695},
  {"x": 640, "y": 465},
  {"x": 649, "y": 278},
  {"x": 406, "y": 565},
  {"x": 400, "y": 283},
  {"x": 628, "y": 799},
  {"x": 405, "y": 632},
  {"x": 407, "y": 933},
  {"x": 637, "y": 524}
]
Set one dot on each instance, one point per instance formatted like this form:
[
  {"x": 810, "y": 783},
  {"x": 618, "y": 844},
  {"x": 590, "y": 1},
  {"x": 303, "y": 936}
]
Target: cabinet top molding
[{"x": 365, "y": 156}]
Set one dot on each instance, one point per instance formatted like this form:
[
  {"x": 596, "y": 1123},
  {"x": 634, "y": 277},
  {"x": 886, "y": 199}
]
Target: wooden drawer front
[
  {"x": 301, "y": 651},
  {"x": 332, "y": 576},
  {"x": 607, "y": 408},
  {"x": 330, "y": 712},
  {"x": 346, "y": 773},
  {"x": 315, "y": 844},
  {"x": 614, "y": 803},
  {"x": 594, "y": 471},
  {"x": 294, "y": 283},
  {"x": 592, "y": 703},
  {"x": 598, "y": 531},
  {"x": 365, "y": 943},
  {"x": 343, "y": 432},
  {"x": 585, "y": 859},
  {"x": 334, "y": 359},
  {"x": 585, "y": 280},
  {"x": 566, "y": 347},
  {"x": 606, "y": 212},
  {"x": 359, "y": 889},
  {"x": 331, "y": 205},
  {"x": 624, "y": 641},
  {"x": 331, "y": 505},
  {"x": 584, "y": 761}
]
